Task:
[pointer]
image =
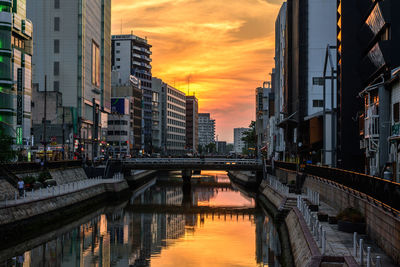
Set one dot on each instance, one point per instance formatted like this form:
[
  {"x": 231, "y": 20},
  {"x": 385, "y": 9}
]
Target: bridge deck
[{"x": 192, "y": 163}]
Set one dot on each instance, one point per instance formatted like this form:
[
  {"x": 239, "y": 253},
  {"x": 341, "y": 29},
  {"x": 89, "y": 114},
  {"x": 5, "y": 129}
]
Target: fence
[
  {"x": 313, "y": 223},
  {"x": 278, "y": 186},
  {"x": 384, "y": 191},
  {"x": 363, "y": 257},
  {"x": 58, "y": 190}
]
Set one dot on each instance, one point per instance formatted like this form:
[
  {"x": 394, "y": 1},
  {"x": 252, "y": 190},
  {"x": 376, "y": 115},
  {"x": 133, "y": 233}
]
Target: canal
[{"x": 210, "y": 222}]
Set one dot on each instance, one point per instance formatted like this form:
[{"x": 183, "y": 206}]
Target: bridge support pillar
[{"x": 186, "y": 175}]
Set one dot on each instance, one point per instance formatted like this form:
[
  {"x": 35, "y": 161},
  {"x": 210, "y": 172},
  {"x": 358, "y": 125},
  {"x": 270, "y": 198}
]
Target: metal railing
[
  {"x": 364, "y": 258},
  {"x": 313, "y": 224},
  {"x": 13, "y": 199},
  {"x": 277, "y": 185},
  {"x": 371, "y": 125},
  {"x": 382, "y": 192},
  {"x": 312, "y": 196},
  {"x": 191, "y": 161}
]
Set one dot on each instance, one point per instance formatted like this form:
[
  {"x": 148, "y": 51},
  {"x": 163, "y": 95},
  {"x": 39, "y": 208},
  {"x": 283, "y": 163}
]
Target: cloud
[{"x": 227, "y": 49}]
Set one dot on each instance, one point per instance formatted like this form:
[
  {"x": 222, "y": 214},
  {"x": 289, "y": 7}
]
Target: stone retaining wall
[
  {"x": 6, "y": 189},
  {"x": 304, "y": 249},
  {"x": 382, "y": 226},
  {"x": 31, "y": 209},
  {"x": 273, "y": 196},
  {"x": 65, "y": 176}
]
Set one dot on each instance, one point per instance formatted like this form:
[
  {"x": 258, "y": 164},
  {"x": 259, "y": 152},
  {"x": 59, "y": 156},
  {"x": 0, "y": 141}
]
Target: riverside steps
[{"x": 316, "y": 242}]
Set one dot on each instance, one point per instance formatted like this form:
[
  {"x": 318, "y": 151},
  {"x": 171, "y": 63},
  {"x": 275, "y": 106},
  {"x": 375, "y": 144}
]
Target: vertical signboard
[{"x": 20, "y": 112}]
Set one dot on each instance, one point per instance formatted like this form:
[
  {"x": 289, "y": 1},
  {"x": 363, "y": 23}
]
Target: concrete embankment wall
[
  {"x": 6, "y": 189},
  {"x": 273, "y": 196},
  {"x": 61, "y": 176},
  {"x": 382, "y": 226},
  {"x": 32, "y": 209}
]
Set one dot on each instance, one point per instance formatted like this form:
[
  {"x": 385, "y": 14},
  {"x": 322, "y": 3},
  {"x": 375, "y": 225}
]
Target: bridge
[{"x": 170, "y": 164}]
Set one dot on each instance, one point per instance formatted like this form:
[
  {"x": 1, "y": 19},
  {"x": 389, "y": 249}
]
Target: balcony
[{"x": 371, "y": 127}]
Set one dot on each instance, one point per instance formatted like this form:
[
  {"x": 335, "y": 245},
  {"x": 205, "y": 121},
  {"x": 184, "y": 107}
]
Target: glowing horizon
[{"x": 220, "y": 52}]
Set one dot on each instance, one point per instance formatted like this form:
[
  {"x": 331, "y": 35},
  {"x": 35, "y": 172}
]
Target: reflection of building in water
[
  {"x": 267, "y": 241},
  {"x": 86, "y": 245}
]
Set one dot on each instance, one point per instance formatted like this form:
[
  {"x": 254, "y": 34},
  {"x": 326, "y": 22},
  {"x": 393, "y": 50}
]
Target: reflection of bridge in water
[{"x": 183, "y": 209}]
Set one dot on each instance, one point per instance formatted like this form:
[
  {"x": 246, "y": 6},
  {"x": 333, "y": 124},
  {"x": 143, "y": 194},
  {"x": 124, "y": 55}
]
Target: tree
[
  {"x": 211, "y": 148},
  {"x": 250, "y": 138},
  {"x": 6, "y": 146}
]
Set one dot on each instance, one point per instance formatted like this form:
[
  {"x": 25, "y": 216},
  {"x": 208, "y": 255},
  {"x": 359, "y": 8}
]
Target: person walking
[{"x": 21, "y": 185}]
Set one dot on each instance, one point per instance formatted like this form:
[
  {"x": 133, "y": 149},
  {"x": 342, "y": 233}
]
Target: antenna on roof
[{"x": 121, "y": 26}]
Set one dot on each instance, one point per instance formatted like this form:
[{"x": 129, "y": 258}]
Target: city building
[
  {"x": 377, "y": 26},
  {"x": 206, "y": 129},
  {"x": 72, "y": 55},
  {"x": 170, "y": 117},
  {"x": 221, "y": 147},
  {"x": 159, "y": 129},
  {"x": 265, "y": 118},
  {"x": 175, "y": 120},
  {"x": 279, "y": 81},
  {"x": 120, "y": 137},
  {"x": 133, "y": 92},
  {"x": 238, "y": 144},
  {"x": 192, "y": 123},
  {"x": 310, "y": 29},
  {"x": 16, "y": 73},
  {"x": 131, "y": 56}
]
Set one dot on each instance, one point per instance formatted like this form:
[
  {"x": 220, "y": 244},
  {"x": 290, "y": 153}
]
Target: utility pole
[
  {"x": 44, "y": 120},
  {"x": 63, "y": 134}
]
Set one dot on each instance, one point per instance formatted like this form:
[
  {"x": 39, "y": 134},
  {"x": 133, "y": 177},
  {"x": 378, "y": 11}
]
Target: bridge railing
[
  {"x": 189, "y": 161},
  {"x": 383, "y": 192}
]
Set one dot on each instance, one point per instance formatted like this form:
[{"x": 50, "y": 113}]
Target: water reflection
[{"x": 150, "y": 231}]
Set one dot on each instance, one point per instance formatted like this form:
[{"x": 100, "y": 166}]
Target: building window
[
  {"x": 318, "y": 103},
  {"x": 396, "y": 112},
  {"x": 56, "y": 24},
  {"x": 118, "y": 59},
  {"x": 56, "y": 46},
  {"x": 56, "y": 69},
  {"x": 95, "y": 64},
  {"x": 118, "y": 52},
  {"x": 56, "y": 4},
  {"x": 56, "y": 86},
  {"x": 118, "y": 44}
]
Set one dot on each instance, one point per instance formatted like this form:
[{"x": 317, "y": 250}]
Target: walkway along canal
[{"x": 164, "y": 222}]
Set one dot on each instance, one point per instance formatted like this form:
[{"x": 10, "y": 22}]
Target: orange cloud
[{"x": 225, "y": 49}]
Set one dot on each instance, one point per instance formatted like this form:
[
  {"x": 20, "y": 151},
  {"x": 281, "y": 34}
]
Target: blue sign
[{"x": 118, "y": 105}]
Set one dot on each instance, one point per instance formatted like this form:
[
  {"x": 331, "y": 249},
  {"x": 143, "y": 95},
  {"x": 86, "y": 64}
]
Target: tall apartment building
[
  {"x": 133, "y": 92},
  {"x": 192, "y": 123},
  {"x": 72, "y": 55},
  {"x": 238, "y": 143},
  {"x": 175, "y": 120},
  {"x": 170, "y": 118},
  {"x": 131, "y": 56},
  {"x": 310, "y": 28},
  {"x": 16, "y": 72},
  {"x": 206, "y": 129},
  {"x": 279, "y": 80}
]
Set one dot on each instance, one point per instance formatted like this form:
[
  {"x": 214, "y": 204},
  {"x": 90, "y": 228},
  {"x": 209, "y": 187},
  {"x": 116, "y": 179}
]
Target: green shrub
[
  {"x": 29, "y": 179},
  {"x": 351, "y": 215},
  {"x": 43, "y": 176}
]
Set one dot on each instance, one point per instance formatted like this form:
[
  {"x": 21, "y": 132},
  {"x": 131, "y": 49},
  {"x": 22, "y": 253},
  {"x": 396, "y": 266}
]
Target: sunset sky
[{"x": 224, "y": 48}]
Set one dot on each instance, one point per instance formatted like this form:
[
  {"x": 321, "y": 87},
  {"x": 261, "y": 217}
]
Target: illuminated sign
[{"x": 19, "y": 135}]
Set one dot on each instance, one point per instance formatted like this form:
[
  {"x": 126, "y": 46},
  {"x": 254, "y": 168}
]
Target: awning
[
  {"x": 287, "y": 121},
  {"x": 317, "y": 114}
]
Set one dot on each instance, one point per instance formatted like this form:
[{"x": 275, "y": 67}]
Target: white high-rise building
[
  {"x": 238, "y": 143},
  {"x": 206, "y": 129}
]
